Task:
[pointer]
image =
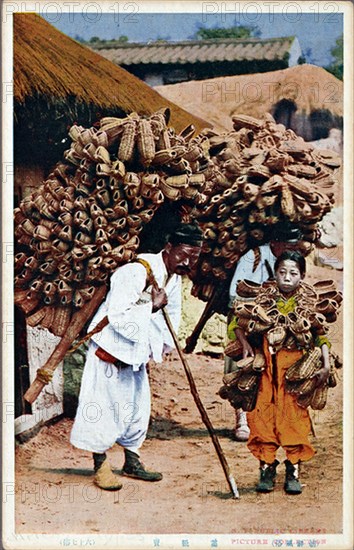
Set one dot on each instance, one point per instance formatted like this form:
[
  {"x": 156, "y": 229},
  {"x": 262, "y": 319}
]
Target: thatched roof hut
[
  {"x": 306, "y": 98},
  {"x": 58, "y": 81}
]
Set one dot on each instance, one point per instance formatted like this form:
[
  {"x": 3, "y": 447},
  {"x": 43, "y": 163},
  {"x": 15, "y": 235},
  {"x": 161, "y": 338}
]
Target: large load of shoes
[
  {"x": 86, "y": 218},
  {"x": 265, "y": 176},
  {"x": 241, "y": 386},
  {"x": 316, "y": 307}
]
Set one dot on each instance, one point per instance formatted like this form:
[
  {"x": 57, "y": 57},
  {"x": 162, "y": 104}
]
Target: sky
[{"x": 316, "y": 32}]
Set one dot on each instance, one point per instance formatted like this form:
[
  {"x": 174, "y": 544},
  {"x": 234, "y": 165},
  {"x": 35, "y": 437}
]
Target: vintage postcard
[{"x": 177, "y": 290}]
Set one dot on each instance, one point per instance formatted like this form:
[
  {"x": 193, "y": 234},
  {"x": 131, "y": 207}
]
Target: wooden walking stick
[
  {"x": 45, "y": 373},
  {"x": 203, "y": 413}
]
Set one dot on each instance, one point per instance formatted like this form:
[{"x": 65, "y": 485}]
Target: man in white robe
[{"x": 114, "y": 401}]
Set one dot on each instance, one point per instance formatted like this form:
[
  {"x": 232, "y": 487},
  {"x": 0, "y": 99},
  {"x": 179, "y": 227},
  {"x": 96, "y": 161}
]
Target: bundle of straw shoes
[{"x": 86, "y": 218}]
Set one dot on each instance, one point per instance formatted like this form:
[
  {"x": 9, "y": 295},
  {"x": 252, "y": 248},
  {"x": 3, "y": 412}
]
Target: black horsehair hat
[
  {"x": 286, "y": 232},
  {"x": 186, "y": 233}
]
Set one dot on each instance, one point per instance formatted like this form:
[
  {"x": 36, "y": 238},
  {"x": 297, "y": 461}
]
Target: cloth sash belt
[{"x": 108, "y": 358}]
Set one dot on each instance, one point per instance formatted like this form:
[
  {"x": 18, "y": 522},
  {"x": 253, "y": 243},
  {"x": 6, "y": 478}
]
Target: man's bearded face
[{"x": 182, "y": 259}]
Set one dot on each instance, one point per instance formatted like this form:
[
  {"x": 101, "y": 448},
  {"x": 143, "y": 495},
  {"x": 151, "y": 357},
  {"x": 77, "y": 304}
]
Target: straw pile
[
  {"x": 317, "y": 307},
  {"x": 263, "y": 177},
  {"x": 85, "y": 219}
]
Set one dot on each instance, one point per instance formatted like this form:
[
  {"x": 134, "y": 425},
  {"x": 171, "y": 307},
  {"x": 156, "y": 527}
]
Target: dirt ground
[{"x": 55, "y": 493}]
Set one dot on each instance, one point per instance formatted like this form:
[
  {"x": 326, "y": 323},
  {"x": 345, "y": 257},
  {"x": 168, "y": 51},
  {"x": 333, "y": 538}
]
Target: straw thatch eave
[
  {"x": 48, "y": 63},
  {"x": 59, "y": 82}
]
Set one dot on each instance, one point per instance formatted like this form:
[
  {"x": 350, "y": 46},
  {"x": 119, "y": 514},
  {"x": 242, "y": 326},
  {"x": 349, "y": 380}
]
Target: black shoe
[
  {"x": 266, "y": 482},
  {"x": 134, "y": 468},
  {"x": 292, "y": 485}
]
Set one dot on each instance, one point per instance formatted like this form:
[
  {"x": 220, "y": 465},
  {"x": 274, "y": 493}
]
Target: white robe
[
  {"x": 245, "y": 270},
  {"x": 114, "y": 403},
  {"x": 245, "y": 266}
]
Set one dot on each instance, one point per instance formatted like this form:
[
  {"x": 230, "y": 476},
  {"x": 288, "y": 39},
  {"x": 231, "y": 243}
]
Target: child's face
[{"x": 288, "y": 276}]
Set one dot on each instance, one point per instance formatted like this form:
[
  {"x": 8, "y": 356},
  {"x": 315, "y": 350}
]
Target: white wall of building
[{"x": 49, "y": 404}]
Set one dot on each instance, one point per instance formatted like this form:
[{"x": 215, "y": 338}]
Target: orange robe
[{"x": 277, "y": 419}]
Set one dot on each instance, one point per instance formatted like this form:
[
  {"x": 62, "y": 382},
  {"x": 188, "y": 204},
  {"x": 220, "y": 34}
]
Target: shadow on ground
[{"x": 166, "y": 428}]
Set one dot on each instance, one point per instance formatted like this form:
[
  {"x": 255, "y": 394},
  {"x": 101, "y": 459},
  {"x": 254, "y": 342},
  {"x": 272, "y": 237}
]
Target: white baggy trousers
[{"x": 114, "y": 406}]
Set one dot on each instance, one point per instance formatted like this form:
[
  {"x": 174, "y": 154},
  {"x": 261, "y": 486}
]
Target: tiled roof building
[{"x": 169, "y": 62}]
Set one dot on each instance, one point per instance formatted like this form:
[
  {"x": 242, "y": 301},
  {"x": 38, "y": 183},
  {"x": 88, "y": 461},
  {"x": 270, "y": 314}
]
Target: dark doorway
[
  {"x": 321, "y": 122},
  {"x": 283, "y": 112}
]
